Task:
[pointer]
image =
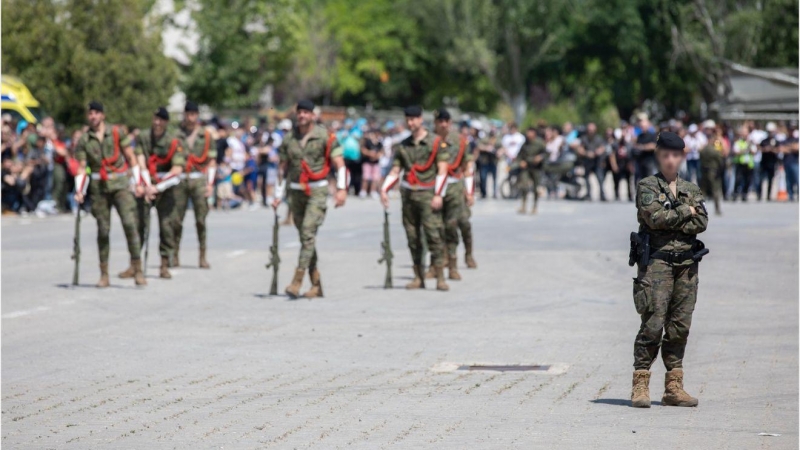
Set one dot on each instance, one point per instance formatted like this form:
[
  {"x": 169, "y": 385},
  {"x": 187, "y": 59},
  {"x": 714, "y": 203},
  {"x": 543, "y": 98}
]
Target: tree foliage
[{"x": 69, "y": 52}]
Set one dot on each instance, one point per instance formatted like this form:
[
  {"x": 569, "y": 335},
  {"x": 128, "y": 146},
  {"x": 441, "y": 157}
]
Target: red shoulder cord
[
  {"x": 110, "y": 163},
  {"x": 308, "y": 175},
  {"x": 192, "y": 160},
  {"x": 454, "y": 170},
  {"x": 154, "y": 161},
  {"x": 412, "y": 178}
]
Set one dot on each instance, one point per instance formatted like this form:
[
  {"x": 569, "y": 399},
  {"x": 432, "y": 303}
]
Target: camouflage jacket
[
  {"x": 103, "y": 154},
  {"x": 459, "y": 153},
  {"x": 414, "y": 158},
  {"x": 668, "y": 220},
  {"x": 200, "y": 152},
  {"x": 531, "y": 150},
  {"x": 294, "y": 153},
  {"x": 160, "y": 154}
]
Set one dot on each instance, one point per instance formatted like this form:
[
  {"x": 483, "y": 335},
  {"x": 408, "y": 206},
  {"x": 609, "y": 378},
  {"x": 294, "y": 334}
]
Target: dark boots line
[
  {"x": 135, "y": 269},
  {"x": 674, "y": 395},
  {"x": 293, "y": 290}
]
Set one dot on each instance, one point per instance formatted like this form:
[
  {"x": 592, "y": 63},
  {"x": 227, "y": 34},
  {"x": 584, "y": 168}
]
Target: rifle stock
[{"x": 275, "y": 257}]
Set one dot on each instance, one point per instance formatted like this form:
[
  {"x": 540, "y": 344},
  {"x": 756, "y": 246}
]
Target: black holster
[
  {"x": 640, "y": 249},
  {"x": 699, "y": 249}
]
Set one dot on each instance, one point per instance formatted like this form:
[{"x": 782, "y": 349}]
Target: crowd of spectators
[{"x": 37, "y": 174}]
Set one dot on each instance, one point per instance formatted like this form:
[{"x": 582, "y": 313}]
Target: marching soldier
[
  {"x": 531, "y": 159},
  {"x": 198, "y": 179},
  {"x": 108, "y": 154},
  {"x": 161, "y": 152},
  {"x": 671, "y": 212},
  {"x": 459, "y": 196},
  {"x": 307, "y": 154},
  {"x": 423, "y": 157}
]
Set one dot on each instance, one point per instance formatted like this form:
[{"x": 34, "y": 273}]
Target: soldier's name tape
[{"x": 312, "y": 184}]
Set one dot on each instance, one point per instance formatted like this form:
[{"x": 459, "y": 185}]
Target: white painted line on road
[
  {"x": 235, "y": 253},
  {"x": 25, "y": 312}
]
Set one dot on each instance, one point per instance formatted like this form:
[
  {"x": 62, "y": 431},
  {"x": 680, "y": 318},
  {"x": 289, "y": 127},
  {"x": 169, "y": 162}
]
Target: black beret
[
  {"x": 191, "y": 107},
  {"x": 441, "y": 114},
  {"x": 94, "y": 105},
  {"x": 162, "y": 113},
  {"x": 307, "y": 105},
  {"x": 413, "y": 111},
  {"x": 670, "y": 141}
]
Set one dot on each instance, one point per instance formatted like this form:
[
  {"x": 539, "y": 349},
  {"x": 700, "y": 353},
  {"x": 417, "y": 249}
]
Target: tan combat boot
[
  {"x": 440, "y": 284},
  {"x": 453, "y": 268},
  {"x": 418, "y": 282},
  {"x": 129, "y": 272},
  {"x": 522, "y": 208},
  {"x": 316, "y": 284},
  {"x": 640, "y": 394},
  {"x": 203, "y": 263},
  {"x": 103, "y": 283},
  {"x": 468, "y": 259},
  {"x": 674, "y": 395},
  {"x": 175, "y": 262},
  {"x": 164, "y": 273},
  {"x": 293, "y": 290},
  {"x": 138, "y": 276}
]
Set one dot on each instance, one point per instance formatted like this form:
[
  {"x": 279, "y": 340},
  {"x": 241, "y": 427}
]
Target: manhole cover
[{"x": 504, "y": 367}]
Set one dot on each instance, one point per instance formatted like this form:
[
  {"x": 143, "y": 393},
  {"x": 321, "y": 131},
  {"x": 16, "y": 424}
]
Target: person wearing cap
[
  {"x": 160, "y": 151},
  {"x": 460, "y": 195},
  {"x": 197, "y": 182},
  {"x": 107, "y": 152},
  {"x": 308, "y": 154},
  {"x": 712, "y": 165},
  {"x": 672, "y": 212},
  {"x": 770, "y": 148},
  {"x": 424, "y": 159}
]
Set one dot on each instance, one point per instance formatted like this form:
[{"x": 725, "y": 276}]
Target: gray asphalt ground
[{"x": 207, "y": 360}]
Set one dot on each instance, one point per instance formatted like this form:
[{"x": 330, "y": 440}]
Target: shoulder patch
[{"x": 647, "y": 198}]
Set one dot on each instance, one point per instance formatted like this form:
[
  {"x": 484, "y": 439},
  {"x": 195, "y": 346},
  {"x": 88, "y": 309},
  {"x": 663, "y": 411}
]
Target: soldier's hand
[
  {"x": 384, "y": 199},
  {"x": 340, "y": 197},
  {"x": 436, "y": 203},
  {"x": 276, "y": 202},
  {"x": 523, "y": 164},
  {"x": 138, "y": 190},
  {"x": 470, "y": 199},
  {"x": 209, "y": 190},
  {"x": 694, "y": 211},
  {"x": 79, "y": 197}
]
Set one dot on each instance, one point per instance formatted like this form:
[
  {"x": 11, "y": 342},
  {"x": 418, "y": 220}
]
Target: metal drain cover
[{"x": 504, "y": 367}]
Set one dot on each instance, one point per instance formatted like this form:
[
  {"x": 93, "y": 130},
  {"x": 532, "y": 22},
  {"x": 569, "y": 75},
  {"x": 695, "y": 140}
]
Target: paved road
[{"x": 206, "y": 360}]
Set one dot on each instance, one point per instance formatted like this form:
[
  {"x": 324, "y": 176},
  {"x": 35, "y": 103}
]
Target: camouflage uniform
[
  {"x": 155, "y": 151},
  {"x": 200, "y": 150},
  {"x": 712, "y": 166},
  {"x": 417, "y": 193},
  {"x": 109, "y": 186},
  {"x": 307, "y": 204},
  {"x": 529, "y": 177},
  {"x": 665, "y": 291},
  {"x": 455, "y": 211}
]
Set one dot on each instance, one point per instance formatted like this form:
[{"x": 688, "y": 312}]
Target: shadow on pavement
[
  {"x": 92, "y": 286},
  {"x": 380, "y": 287},
  {"x": 618, "y": 402}
]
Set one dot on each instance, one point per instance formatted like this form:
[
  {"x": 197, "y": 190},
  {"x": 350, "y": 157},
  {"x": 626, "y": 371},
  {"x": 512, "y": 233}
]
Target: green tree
[{"x": 69, "y": 52}]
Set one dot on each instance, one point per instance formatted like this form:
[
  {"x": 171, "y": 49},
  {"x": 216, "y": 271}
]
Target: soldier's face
[
  {"x": 159, "y": 125},
  {"x": 304, "y": 117},
  {"x": 414, "y": 123},
  {"x": 190, "y": 117},
  {"x": 669, "y": 160},
  {"x": 442, "y": 126},
  {"x": 95, "y": 118}
]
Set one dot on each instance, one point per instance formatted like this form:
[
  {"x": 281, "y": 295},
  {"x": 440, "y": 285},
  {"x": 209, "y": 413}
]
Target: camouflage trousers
[
  {"x": 167, "y": 210},
  {"x": 419, "y": 218},
  {"x": 711, "y": 185},
  {"x": 194, "y": 189},
  {"x": 125, "y": 203},
  {"x": 665, "y": 297},
  {"x": 60, "y": 187},
  {"x": 308, "y": 212},
  {"x": 529, "y": 180},
  {"x": 455, "y": 214}
]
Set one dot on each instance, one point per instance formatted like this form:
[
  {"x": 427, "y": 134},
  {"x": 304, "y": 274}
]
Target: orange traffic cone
[{"x": 782, "y": 194}]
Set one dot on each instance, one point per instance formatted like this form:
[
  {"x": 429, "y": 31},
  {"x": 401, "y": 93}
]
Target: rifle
[
  {"x": 146, "y": 242},
  {"x": 76, "y": 247},
  {"x": 275, "y": 257},
  {"x": 386, "y": 251}
]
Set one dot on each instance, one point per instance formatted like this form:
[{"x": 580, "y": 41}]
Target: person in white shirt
[
  {"x": 695, "y": 141},
  {"x": 512, "y": 142}
]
